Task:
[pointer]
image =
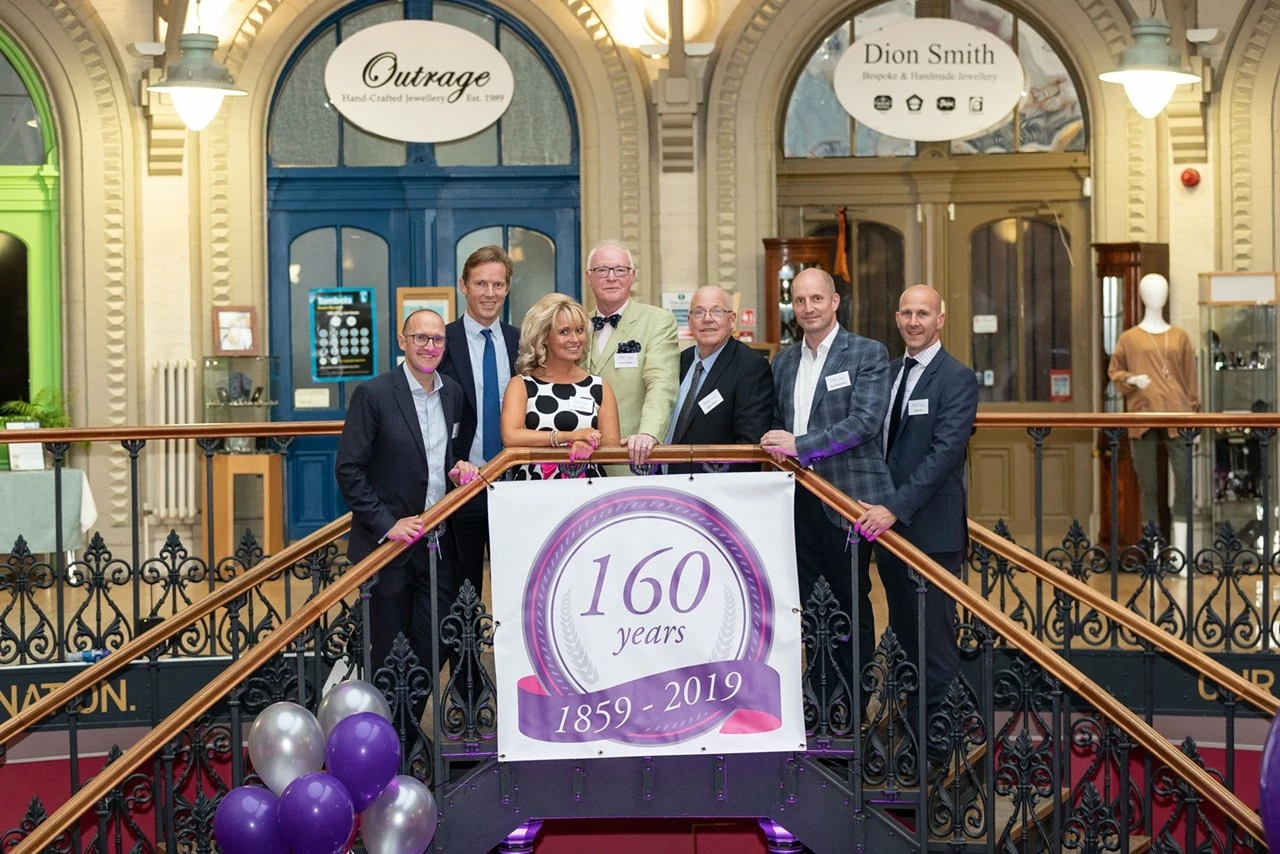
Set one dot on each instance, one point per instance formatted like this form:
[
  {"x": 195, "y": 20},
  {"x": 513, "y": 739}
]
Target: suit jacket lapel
[
  {"x": 513, "y": 346},
  {"x": 461, "y": 350},
  {"x": 404, "y": 400},
  {"x": 926, "y": 377},
  {"x": 835, "y": 358}
]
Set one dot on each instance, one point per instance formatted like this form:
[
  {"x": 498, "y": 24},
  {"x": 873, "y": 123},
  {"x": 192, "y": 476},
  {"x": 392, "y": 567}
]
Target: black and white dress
[{"x": 564, "y": 407}]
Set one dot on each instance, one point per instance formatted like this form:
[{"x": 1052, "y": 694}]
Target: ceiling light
[
  {"x": 197, "y": 83},
  {"x": 1150, "y": 69}
]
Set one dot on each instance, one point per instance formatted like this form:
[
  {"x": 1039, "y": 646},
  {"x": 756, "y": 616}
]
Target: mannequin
[{"x": 1154, "y": 367}]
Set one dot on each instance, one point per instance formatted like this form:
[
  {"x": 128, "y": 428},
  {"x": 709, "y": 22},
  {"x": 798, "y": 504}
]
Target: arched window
[
  {"x": 348, "y": 208},
  {"x": 30, "y": 325}
]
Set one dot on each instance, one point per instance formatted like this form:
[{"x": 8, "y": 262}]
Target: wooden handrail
[
  {"x": 991, "y": 420},
  {"x": 1263, "y": 701},
  {"x": 80, "y": 802}
]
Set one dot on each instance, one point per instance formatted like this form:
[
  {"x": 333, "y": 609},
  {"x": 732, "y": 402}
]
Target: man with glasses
[
  {"x": 401, "y": 446},
  {"x": 480, "y": 355},
  {"x": 726, "y": 389},
  {"x": 633, "y": 346}
]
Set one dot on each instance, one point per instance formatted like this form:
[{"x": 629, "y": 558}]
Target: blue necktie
[{"x": 492, "y": 406}]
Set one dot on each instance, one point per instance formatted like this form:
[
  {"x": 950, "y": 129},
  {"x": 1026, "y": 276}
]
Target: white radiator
[{"x": 171, "y": 463}]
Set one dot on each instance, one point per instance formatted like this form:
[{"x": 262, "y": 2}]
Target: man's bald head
[{"x": 922, "y": 291}]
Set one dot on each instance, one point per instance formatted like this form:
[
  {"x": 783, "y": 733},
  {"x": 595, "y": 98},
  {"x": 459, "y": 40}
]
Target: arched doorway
[
  {"x": 997, "y": 223},
  {"x": 349, "y": 209}
]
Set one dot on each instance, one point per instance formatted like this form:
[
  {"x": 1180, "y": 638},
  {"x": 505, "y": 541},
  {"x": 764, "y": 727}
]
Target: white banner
[
  {"x": 643, "y": 616},
  {"x": 419, "y": 81},
  {"x": 930, "y": 79}
]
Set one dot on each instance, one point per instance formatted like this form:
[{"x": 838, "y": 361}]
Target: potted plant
[{"x": 45, "y": 407}]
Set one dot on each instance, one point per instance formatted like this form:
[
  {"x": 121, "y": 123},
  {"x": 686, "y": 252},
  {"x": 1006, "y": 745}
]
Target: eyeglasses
[
  {"x": 422, "y": 339},
  {"x": 713, "y": 313},
  {"x": 603, "y": 272}
]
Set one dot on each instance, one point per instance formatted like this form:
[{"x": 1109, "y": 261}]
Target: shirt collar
[
  {"x": 415, "y": 387},
  {"x": 475, "y": 328},
  {"x": 711, "y": 357},
  {"x": 619, "y": 312},
  {"x": 926, "y": 355},
  {"x": 824, "y": 346}
]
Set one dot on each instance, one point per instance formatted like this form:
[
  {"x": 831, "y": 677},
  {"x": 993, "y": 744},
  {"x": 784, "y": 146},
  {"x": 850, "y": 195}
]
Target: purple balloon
[
  {"x": 246, "y": 822},
  {"x": 316, "y": 814},
  {"x": 1269, "y": 787},
  {"x": 363, "y": 752}
]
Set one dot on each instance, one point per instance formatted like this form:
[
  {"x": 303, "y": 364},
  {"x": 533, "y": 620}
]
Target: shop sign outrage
[
  {"x": 930, "y": 79},
  {"x": 419, "y": 81}
]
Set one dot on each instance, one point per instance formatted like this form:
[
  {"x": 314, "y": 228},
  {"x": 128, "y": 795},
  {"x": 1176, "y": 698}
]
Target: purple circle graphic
[{"x": 553, "y": 559}]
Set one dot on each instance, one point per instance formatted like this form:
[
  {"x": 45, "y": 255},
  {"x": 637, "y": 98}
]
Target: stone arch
[
  {"x": 761, "y": 50},
  {"x": 605, "y": 82},
  {"x": 88, "y": 87},
  {"x": 1250, "y": 187}
]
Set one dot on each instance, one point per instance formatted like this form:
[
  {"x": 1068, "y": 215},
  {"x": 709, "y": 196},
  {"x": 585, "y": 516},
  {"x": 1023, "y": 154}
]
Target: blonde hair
[{"x": 536, "y": 329}]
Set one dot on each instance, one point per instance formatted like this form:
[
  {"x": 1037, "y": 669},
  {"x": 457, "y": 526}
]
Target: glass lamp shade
[
  {"x": 1150, "y": 69},
  {"x": 197, "y": 83}
]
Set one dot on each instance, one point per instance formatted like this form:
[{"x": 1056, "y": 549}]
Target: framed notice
[
  {"x": 344, "y": 337},
  {"x": 25, "y": 456},
  {"x": 235, "y": 330},
  {"x": 1060, "y": 385},
  {"x": 441, "y": 300}
]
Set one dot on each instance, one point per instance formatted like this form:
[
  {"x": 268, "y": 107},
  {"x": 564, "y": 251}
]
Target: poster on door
[
  {"x": 343, "y": 336},
  {"x": 646, "y": 616}
]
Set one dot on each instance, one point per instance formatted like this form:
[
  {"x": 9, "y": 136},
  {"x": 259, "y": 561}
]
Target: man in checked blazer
[
  {"x": 832, "y": 392},
  {"x": 937, "y": 402},
  {"x": 633, "y": 346}
]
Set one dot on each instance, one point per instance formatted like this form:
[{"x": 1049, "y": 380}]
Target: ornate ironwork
[
  {"x": 828, "y": 696},
  {"x": 470, "y": 700}
]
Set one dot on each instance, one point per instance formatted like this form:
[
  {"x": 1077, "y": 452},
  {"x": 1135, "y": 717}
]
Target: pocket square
[{"x": 629, "y": 347}]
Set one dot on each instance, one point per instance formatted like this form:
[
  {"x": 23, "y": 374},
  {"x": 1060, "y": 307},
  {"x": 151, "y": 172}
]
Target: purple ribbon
[{"x": 660, "y": 708}]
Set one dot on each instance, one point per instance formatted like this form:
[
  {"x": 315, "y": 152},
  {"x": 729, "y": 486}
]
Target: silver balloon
[
  {"x": 285, "y": 742},
  {"x": 402, "y": 820},
  {"x": 350, "y": 698}
]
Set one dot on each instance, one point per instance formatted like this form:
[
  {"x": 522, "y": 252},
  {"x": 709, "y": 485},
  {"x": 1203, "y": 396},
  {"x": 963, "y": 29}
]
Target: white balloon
[
  {"x": 348, "y": 698},
  {"x": 402, "y": 820},
  {"x": 285, "y": 742}
]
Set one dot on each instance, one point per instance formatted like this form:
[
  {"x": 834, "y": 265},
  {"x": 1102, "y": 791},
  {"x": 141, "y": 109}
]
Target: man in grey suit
[
  {"x": 935, "y": 402},
  {"x": 832, "y": 392}
]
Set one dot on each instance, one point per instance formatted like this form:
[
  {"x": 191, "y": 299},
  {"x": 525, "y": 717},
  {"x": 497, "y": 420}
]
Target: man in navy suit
[
  {"x": 832, "y": 391},
  {"x": 481, "y": 357},
  {"x": 395, "y": 459},
  {"x": 726, "y": 391},
  {"x": 935, "y": 399}
]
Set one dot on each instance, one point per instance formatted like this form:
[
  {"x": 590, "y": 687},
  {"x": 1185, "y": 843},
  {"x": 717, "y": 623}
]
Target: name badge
[
  {"x": 626, "y": 360},
  {"x": 711, "y": 401},
  {"x": 917, "y": 407},
  {"x": 584, "y": 405},
  {"x": 456, "y": 426},
  {"x": 840, "y": 380}
]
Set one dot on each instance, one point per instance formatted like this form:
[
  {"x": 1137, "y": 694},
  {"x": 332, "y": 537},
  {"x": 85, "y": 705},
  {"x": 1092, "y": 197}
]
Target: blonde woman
[{"x": 552, "y": 401}]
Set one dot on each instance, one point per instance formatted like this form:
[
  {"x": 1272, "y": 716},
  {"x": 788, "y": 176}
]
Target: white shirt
[
  {"x": 602, "y": 337},
  {"x": 435, "y": 432},
  {"x": 923, "y": 358},
  {"x": 475, "y": 347},
  {"x": 807, "y": 376}
]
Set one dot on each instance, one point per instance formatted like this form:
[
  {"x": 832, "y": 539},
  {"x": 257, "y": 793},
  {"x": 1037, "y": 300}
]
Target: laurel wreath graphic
[
  {"x": 572, "y": 644},
  {"x": 727, "y": 639}
]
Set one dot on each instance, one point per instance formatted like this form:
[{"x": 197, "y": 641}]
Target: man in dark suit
[
  {"x": 726, "y": 391},
  {"x": 935, "y": 402},
  {"x": 481, "y": 357},
  {"x": 832, "y": 390},
  {"x": 395, "y": 459}
]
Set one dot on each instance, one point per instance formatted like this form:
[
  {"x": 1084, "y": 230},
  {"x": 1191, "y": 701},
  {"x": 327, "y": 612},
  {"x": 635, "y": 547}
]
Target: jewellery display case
[
  {"x": 784, "y": 258},
  {"x": 1238, "y": 323},
  {"x": 239, "y": 389}
]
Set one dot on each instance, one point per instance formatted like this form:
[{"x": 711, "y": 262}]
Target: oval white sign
[
  {"x": 419, "y": 81},
  {"x": 930, "y": 79}
]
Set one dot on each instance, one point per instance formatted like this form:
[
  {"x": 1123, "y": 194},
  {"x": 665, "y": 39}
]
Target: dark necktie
[
  {"x": 686, "y": 411},
  {"x": 491, "y": 406},
  {"x": 598, "y": 322},
  {"x": 895, "y": 415}
]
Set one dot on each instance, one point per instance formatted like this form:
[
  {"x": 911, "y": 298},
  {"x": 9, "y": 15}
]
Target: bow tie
[{"x": 598, "y": 322}]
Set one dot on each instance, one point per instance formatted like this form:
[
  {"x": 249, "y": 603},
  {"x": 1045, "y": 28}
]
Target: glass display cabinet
[
  {"x": 784, "y": 258},
  {"x": 239, "y": 389},
  {"x": 1238, "y": 323}
]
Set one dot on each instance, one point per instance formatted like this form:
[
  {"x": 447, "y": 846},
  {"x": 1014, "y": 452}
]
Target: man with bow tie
[{"x": 633, "y": 346}]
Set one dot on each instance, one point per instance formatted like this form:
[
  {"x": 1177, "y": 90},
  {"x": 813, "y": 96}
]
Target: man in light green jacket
[{"x": 633, "y": 346}]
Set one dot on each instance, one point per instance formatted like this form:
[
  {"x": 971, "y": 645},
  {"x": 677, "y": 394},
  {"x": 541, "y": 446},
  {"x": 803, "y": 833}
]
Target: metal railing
[{"x": 835, "y": 734}]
